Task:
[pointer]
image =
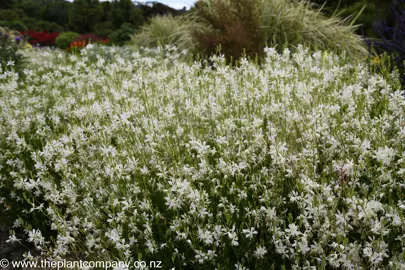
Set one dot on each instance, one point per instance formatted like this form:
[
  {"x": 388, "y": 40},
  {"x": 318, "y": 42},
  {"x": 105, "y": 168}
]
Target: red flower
[{"x": 40, "y": 38}]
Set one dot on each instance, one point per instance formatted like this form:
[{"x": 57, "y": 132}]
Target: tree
[
  {"x": 31, "y": 8},
  {"x": 57, "y": 12},
  {"x": 124, "y": 11},
  {"x": 6, "y": 4},
  {"x": 158, "y": 9},
  {"x": 8, "y": 15},
  {"x": 107, "y": 11},
  {"x": 84, "y": 15}
]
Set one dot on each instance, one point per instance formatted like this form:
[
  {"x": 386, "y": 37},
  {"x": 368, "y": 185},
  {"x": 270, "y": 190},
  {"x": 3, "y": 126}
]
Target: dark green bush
[
  {"x": 103, "y": 29},
  {"x": 45, "y": 26},
  {"x": 8, "y": 15},
  {"x": 122, "y": 35},
  {"x": 16, "y": 25},
  {"x": 41, "y": 26},
  {"x": 64, "y": 40},
  {"x": 374, "y": 11},
  {"x": 392, "y": 37}
]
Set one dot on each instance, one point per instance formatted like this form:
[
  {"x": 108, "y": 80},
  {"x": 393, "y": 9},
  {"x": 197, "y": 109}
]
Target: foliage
[
  {"x": 368, "y": 12},
  {"x": 8, "y": 15},
  {"x": 103, "y": 29},
  {"x": 44, "y": 26},
  {"x": 84, "y": 15},
  {"x": 122, "y": 35},
  {"x": 233, "y": 25},
  {"x": 41, "y": 26},
  {"x": 83, "y": 40},
  {"x": 124, "y": 11},
  {"x": 294, "y": 163},
  {"x": 5, "y": 4},
  {"x": 299, "y": 22},
  {"x": 153, "y": 9},
  {"x": 31, "y": 8},
  {"x": 163, "y": 30},
  {"x": 64, "y": 40},
  {"x": 56, "y": 12},
  {"x": 10, "y": 56},
  {"x": 16, "y": 25},
  {"x": 90, "y": 38},
  {"x": 384, "y": 65},
  {"x": 247, "y": 26},
  {"x": 40, "y": 38},
  {"x": 392, "y": 37}
]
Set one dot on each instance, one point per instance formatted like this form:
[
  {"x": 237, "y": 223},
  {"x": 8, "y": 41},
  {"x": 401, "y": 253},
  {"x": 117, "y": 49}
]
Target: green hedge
[{"x": 64, "y": 40}]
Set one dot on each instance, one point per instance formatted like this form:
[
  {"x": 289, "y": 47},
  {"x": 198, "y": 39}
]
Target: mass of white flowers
[{"x": 296, "y": 162}]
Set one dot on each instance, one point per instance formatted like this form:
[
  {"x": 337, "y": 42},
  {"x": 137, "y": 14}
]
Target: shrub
[
  {"x": 248, "y": 25},
  {"x": 8, "y": 15},
  {"x": 289, "y": 23},
  {"x": 369, "y": 12},
  {"x": 296, "y": 163},
  {"x": 392, "y": 37},
  {"x": 45, "y": 26},
  {"x": 30, "y": 23},
  {"x": 82, "y": 40},
  {"x": 164, "y": 30},
  {"x": 16, "y": 25},
  {"x": 122, "y": 35},
  {"x": 40, "y": 38},
  {"x": 103, "y": 29},
  {"x": 90, "y": 38},
  {"x": 233, "y": 25},
  {"x": 41, "y": 26},
  {"x": 10, "y": 57},
  {"x": 64, "y": 40}
]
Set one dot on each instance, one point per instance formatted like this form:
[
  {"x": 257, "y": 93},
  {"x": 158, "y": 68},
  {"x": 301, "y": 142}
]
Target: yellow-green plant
[
  {"x": 293, "y": 22},
  {"x": 162, "y": 30}
]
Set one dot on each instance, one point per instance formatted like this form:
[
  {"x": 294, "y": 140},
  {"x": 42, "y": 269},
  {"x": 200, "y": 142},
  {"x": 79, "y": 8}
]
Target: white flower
[
  {"x": 239, "y": 266},
  {"x": 114, "y": 235},
  {"x": 385, "y": 154},
  {"x": 260, "y": 252},
  {"x": 12, "y": 239},
  {"x": 16, "y": 223},
  {"x": 249, "y": 232},
  {"x": 36, "y": 237},
  {"x": 292, "y": 230},
  {"x": 28, "y": 256},
  {"x": 233, "y": 237},
  {"x": 205, "y": 236},
  {"x": 115, "y": 144}
]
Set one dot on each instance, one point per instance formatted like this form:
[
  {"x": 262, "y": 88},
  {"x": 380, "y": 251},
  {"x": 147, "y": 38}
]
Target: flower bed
[
  {"x": 81, "y": 41},
  {"x": 296, "y": 163},
  {"x": 40, "y": 38}
]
